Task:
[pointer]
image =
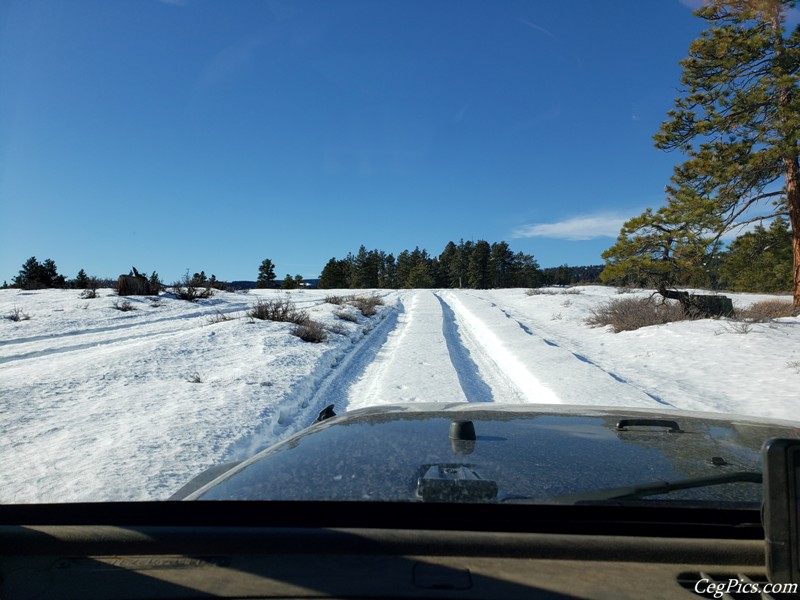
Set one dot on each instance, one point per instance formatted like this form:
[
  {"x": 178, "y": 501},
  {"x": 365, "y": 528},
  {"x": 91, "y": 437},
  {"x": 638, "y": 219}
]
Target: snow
[{"x": 98, "y": 404}]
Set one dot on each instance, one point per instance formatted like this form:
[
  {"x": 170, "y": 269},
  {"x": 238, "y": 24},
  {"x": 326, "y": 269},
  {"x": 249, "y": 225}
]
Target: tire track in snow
[
  {"x": 414, "y": 364},
  {"x": 303, "y": 402},
  {"x": 583, "y": 382},
  {"x": 585, "y": 359},
  {"x": 472, "y": 384},
  {"x": 183, "y": 321},
  {"x": 497, "y": 358}
]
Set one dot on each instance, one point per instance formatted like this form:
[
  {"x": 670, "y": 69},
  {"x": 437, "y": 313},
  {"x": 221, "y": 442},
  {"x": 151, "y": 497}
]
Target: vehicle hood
[{"x": 499, "y": 453}]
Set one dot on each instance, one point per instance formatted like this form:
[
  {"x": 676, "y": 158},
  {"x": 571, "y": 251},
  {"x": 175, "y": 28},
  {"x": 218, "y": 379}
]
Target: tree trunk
[{"x": 793, "y": 200}]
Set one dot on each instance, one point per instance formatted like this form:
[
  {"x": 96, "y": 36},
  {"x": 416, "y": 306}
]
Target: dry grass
[
  {"x": 281, "y": 310},
  {"x": 338, "y": 300},
  {"x": 123, "y": 305},
  {"x": 310, "y": 331},
  {"x": 627, "y": 314},
  {"x": 367, "y": 304},
  {"x": 766, "y": 310}
]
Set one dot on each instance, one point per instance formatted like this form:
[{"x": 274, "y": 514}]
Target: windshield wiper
[{"x": 642, "y": 490}]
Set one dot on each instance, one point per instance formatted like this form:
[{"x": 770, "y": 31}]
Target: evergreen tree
[
  {"x": 738, "y": 119},
  {"x": 155, "y": 284},
  {"x": 288, "y": 283},
  {"x": 478, "y": 275},
  {"x": 419, "y": 276},
  {"x": 335, "y": 275},
  {"x": 501, "y": 265},
  {"x": 525, "y": 271},
  {"x": 404, "y": 265},
  {"x": 81, "y": 280},
  {"x": 459, "y": 269},
  {"x": 36, "y": 275},
  {"x": 447, "y": 260},
  {"x": 266, "y": 274},
  {"x": 387, "y": 276},
  {"x": 759, "y": 261},
  {"x": 365, "y": 269},
  {"x": 664, "y": 248}
]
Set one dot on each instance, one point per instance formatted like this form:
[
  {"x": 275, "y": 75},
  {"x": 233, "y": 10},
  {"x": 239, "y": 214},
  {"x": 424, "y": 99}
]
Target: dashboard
[{"x": 379, "y": 550}]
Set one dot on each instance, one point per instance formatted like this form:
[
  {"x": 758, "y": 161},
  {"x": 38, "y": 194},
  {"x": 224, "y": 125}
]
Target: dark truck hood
[{"x": 520, "y": 453}]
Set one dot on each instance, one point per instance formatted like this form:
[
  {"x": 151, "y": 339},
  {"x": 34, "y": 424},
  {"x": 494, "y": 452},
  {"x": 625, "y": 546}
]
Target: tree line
[{"x": 468, "y": 264}]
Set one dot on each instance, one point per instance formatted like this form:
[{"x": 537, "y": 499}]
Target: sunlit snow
[{"x": 99, "y": 404}]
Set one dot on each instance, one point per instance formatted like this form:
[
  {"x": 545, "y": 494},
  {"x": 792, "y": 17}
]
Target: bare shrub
[
  {"x": 766, "y": 310},
  {"x": 557, "y": 316},
  {"x": 539, "y": 292},
  {"x": 283, "y": 311},
  {"x": 191, "y": 289},
  {"x": 742, "y": 327},
  {"x": 338, "y": 300},
  {"x": 92, "y": 283},
  {"x": 310, "y": 331},
  {"x": 367, "y": 304},
  {"x": 346, "y": 316},
  {"x": 794, "y": 364},
  {"x": 218, "y": 317},
  {"x": 624, "y": 290},
  {"x": 627, "y": 314},
  {"x": 194, "y": 378},
  {"x": 566, "y": 303},
  {"x": 17, "y": 314},
  {"x": 123, "y": 305},
  {"x": 572, "y": 292}
]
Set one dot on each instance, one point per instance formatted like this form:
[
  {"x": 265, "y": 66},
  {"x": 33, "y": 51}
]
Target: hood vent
[{"x": 637, "y": 424}]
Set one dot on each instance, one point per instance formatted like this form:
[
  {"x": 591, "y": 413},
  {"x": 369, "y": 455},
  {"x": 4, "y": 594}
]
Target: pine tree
[
  {"x": 335, "y": 275},
  {"x": 478, "y": 276},
  {"x": 266, "y": 274},
  {"x": 525, "y": 271},
  {"x": 759, "y": 261},
  {"x": 665, "y": 248},
  {"x": 387, "y": 276},
  {"x": 501, "y": 264},
  {"x": 738, "y": 119},
  {"x": 419, "y": 277},
  {"x": 288, "y": 283},
  {"x": 155, "y": 283},
  {"x": 36, "y": 275},
  {"x": 404, "y": 266},
  {"x": 365, "y": 269},
  {"x": 81, "y": 280}
]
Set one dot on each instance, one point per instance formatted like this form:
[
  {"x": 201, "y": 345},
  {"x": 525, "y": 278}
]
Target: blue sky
[{"x": 200, "y": 134}]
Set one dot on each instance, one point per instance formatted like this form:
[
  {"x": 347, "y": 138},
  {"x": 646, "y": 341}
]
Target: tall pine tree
[
  {"x": 738, "y": 118},
  {"x": 266, "y": 274}
]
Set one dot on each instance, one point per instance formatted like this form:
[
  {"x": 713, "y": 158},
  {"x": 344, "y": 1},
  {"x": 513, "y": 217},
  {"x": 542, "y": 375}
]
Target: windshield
[{"x": 222, "y": 222}]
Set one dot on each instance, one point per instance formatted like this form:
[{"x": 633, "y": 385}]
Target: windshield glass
[{"x": 222, "y": 222}]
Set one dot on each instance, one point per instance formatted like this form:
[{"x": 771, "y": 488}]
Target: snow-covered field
[{"x": 98, "y": 404}]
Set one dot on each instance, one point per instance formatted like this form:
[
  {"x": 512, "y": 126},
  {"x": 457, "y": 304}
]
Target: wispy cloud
[
  {"x": 231, "y": 60},
  {"x": 587, "y": 227},
  {"x": 539, "y": 28}
]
